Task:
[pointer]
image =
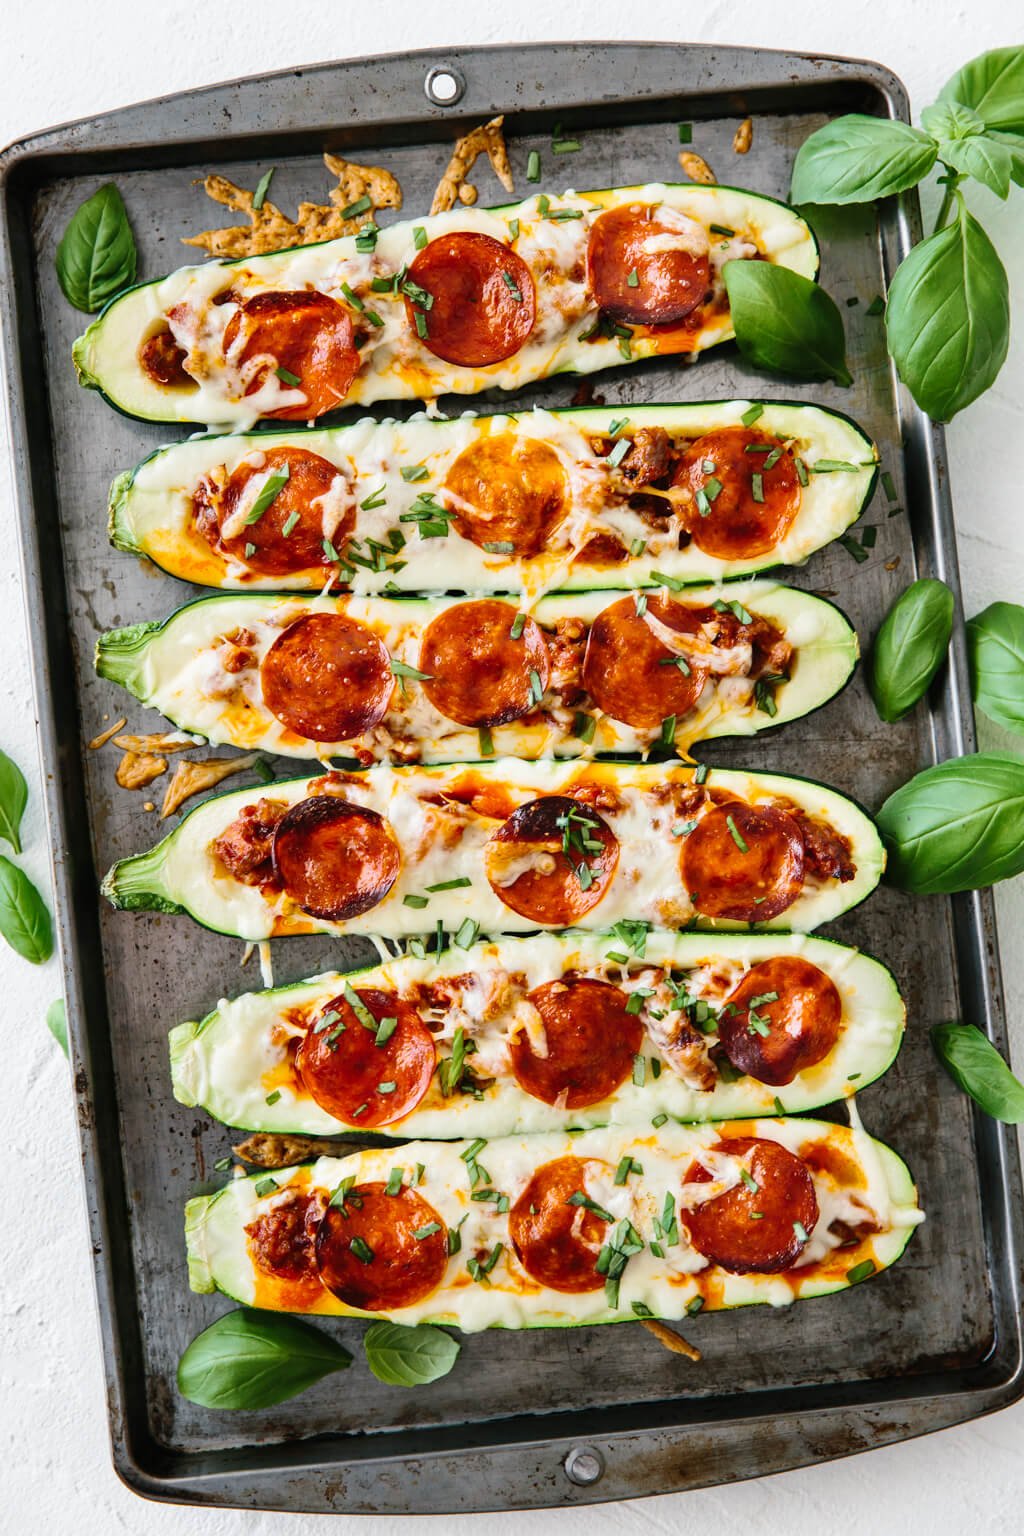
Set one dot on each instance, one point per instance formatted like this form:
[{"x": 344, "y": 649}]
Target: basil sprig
[
  {"x": 947, "y": 318},
  {"x": 785, "y": 322},
  {"x": 975, "y": 1065},
  {"x": 958, "y": 826},
  {"x": 409, "y": 1357},
  {"x": 96, "y": 257},
  {"x": 253, "y": 1360},
  {"x": 13, "y": 799},
  {"x": 995, "y": 648},
  {"x": 910, "y": 647},
  {"x": 24, "y": 920}
]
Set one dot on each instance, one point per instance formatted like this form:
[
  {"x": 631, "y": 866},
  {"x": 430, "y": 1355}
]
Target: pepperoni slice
[
  {"x": 482, "y": 302},
  {"x": 558, "y": 1243},
  {"x": 744, "y": 862},
  {"x": 163, "y": 361},
  {"x": 334, "y": 859},
  {"x": 309, "y": 335},
  {"x": 784, "y": 1018},
  {"x": 350, "y": 1075},
  {"x": 327, "y": 677},
  {"x": 478, "y": 674},
  {"x": 265, "y": 545},
  {"x": 736, "y": 526},
  {"x": 628, "y": 669},
  {"x": 753, "y": 1231},
  {"x": 538, "y": 862},
  {"x": 507, "y": 490},
  {"x": 591, "y": 1042},
  {"x": 368, "y": 1253},
  {"x": 647, "y": 265}
]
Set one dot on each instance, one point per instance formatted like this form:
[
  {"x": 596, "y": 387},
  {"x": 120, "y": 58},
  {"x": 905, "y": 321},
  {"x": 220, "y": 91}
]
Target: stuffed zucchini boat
[
  {"x": 556, "y": 1230},
  {"x": 449, "y": 679},
  {"x": 548, "y": 1032},
  {"x": 509, "y": 847},
  {"x": 577, "y": 499},
  {"x": 458, "y": 302}
]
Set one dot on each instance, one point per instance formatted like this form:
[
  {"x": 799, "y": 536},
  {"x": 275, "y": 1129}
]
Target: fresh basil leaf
[
  {"x": 975, "y": 1065},
  {"x": 96, "y": 256},
  {"x": 995, "y": 649},
  {"x": 57, "y": 1023},
  {"x": 993, "y": 84},
  {"x": 910, "y": 647},
  {"x": 962, "y": 142},
  {"x": 1014, "y": 143},
  {"x": 948, "y": 318},
  {"x": 958, "y": 826},
  {"x": 253, "y": 1359},
  {"x": 24, "y": 920},
  {"x": 856, "y": 159},
  {"x": 784, "y": 322},
  {"x": 13, "y": 799},
  {"x": 409, "y": 1357}
]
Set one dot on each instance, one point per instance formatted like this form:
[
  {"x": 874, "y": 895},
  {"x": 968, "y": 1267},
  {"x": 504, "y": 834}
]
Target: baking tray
[{"x": 545, "y": 1418}]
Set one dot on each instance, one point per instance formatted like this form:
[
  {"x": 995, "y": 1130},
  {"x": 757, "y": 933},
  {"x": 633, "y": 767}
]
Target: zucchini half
[
  {"x": 472, "y": 1297},
  {"x": 151, "y": 506},
  {"x": 549, "y": 235},
  {"x": 177, "y": 667},
  {"x": 238, "y": 1063},
  {"x": 444, "y": 849}
]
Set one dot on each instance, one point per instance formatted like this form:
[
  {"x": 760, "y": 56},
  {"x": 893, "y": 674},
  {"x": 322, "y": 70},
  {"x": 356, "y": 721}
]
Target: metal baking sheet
[{"x": 935, "y": 1341}]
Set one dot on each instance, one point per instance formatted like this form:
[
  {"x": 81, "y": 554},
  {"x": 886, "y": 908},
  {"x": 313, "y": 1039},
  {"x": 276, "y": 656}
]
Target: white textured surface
[{"x": 64, "y": 60}]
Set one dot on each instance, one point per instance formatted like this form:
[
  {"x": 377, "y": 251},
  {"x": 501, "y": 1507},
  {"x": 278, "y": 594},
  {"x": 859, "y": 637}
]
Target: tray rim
[{"x": 862, "y": 1414}]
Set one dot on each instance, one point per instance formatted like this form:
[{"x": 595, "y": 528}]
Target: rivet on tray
[
  {"x": 444, "y": 86},
  {"x": 584, "y": 1465}
]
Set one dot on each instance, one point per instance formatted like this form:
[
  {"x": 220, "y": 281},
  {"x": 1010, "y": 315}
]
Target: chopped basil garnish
[
  {"x": 736, "y": 835},
  {"x": 860, "y": 1272},
  {"x": 385, "y": 1029},
  {"x": 413, "y": 472},
  {"x": 450, "y": 885},
  {"x": 362, "y": 1250},
  {"x": 412, "y": 900},
  {"x": 580, "y": 1198},
  {"x": 403, "y": 669},
  {"x": 267, "y": 1186},
  {"x": 467, "y": 933},
  {"x": 287, "y": 377},
  {"x": 353, "y": 210},
  {"x": 533, "y": 166},
  {"x": 754, "y": 413},
  {"x": 263, "y": 187},
  {"x": 272, "y": 1098},
  {"x": 272, "y": 486}
]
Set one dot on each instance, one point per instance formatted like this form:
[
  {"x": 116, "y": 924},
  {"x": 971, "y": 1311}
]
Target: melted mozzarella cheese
[
  {"x": 152, "y": 510},
  {"x": 192, "y": 673},
  {"x": 226, "y": 1062},
  {"x": 508, "y": 1297},
  {"x": 646, "y": 884},
  {"x": 394, "y": 361}
]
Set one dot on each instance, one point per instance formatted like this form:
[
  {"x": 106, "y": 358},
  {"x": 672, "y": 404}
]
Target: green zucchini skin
[
  {"x": 105, "y": 356},
  {"x": 154, "y": 662},
  {"x": 150, "y": 507},
  {"x": 218, "y": 1062},
  {"x": 219, "y": 1259},
  {"x": 178, "y": 870}
]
